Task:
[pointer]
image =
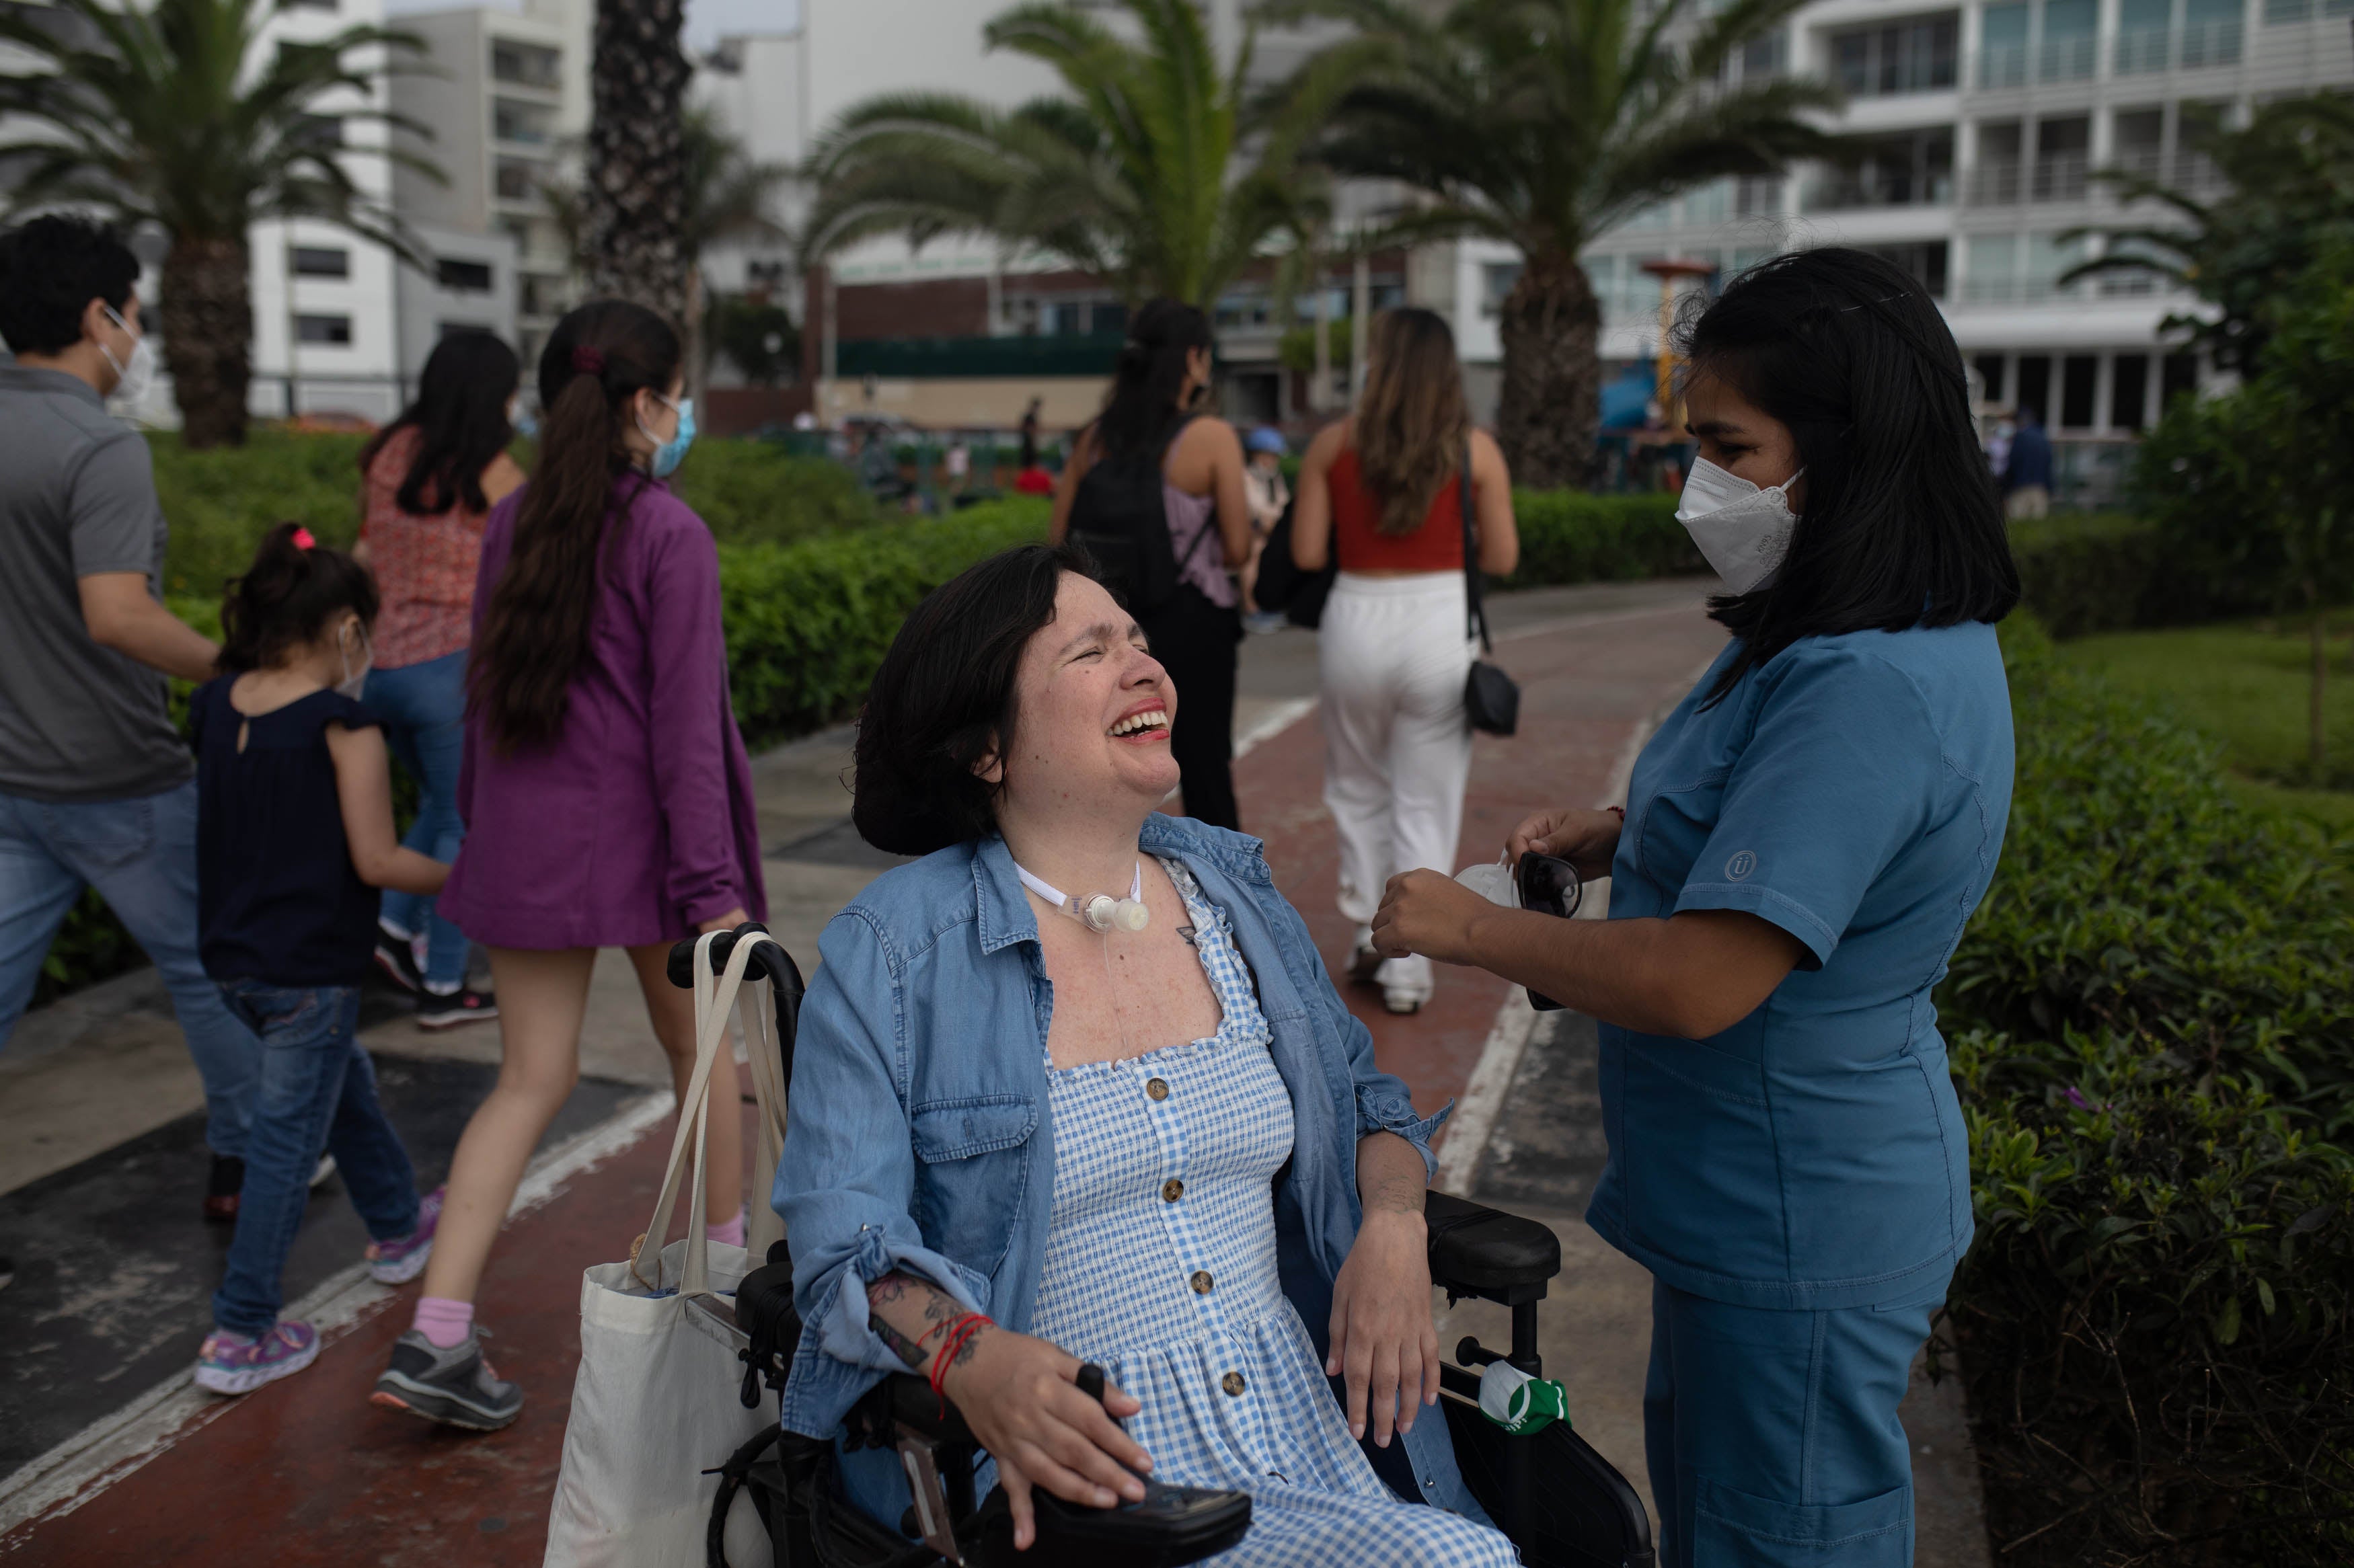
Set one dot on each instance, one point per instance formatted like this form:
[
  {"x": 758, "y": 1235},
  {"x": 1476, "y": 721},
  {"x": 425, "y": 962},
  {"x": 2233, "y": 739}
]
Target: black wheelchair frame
[{"x": 1562, "y": 1503}]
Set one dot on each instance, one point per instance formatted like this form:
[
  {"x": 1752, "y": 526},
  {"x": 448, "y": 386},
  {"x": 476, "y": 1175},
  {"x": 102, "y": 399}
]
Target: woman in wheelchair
[{"x": 1074, "y": 1087}]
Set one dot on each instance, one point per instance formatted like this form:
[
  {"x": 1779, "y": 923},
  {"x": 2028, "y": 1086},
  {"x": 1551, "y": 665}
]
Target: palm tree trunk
[
  {"x": 207, "y": 336},
  {"x": 637, "y": 156},
  {"x": 1552, "y": 396}
]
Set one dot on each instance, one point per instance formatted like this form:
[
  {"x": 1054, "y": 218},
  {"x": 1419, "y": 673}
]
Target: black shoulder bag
[
  {"x": 1282, "y": 585},
  {"x": 1491, "y": 700}
]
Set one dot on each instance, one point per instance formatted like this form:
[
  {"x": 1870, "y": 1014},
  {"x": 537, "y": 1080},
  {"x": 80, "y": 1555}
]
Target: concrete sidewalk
[{"x": 305, "y": 1472}]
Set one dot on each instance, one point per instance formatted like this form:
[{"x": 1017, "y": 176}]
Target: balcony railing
[
  {"x": 2192, "y": 174},
  {"x": 1852, "y": 193},
  {"x": 2141, "y": 51},
  {"x": 2208, "y": 44},
  {"x": 2011, "y": 288},
  {"x": 2070, "y": 59},
  {"x": 2064, "y": 176},
  {"x": 2001, "y": 66}
]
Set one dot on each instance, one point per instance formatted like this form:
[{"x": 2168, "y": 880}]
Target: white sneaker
[{"x": 1404, "y": 998}]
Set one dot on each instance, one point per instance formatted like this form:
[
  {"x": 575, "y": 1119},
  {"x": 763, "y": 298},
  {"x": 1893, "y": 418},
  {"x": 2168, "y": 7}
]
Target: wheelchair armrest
[{"x": 1478, "y": 1250}]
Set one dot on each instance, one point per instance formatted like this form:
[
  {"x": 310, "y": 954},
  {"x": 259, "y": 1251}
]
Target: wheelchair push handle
[{"x": 680, "y": 967}]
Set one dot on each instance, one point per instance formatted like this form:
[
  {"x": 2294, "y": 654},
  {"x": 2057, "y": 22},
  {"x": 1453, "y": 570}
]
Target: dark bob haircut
[
  {"x": 943, "y": 700},
  {"x": 1901, "y": 526}
]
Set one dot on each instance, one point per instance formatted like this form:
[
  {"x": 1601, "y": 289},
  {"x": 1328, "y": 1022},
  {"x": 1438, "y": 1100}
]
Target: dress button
[
  {"x": 1157, "y": 1088},
  {"x": 1171, "y": 1190},
  {"x": 1202, "y": 1282},
  {"x": 1232, "y": 1383}
]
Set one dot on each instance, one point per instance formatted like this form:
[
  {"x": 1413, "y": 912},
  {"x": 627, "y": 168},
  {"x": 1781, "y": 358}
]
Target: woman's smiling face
[{"x": 1092, "y": 710}]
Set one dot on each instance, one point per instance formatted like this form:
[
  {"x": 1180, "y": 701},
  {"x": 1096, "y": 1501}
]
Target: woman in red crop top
[{"x": 1381, "y": 494}]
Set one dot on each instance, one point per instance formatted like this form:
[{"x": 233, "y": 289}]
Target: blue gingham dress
[{"x": 1160, "y": 1266}]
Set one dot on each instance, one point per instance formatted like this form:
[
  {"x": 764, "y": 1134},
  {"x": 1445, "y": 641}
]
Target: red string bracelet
[
  {"x": 1620, "y": 811},
  {"x": 960, "y": 1330}
]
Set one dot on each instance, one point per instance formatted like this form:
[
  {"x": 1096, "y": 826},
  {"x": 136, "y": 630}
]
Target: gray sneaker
[{"x": 455, "y": 1387}]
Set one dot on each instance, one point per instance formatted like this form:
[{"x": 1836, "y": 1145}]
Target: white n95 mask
[{"x": 1744, "y": 529}]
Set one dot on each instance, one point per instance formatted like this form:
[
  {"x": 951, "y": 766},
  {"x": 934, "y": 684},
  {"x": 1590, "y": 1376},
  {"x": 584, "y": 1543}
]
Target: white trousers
[{"x": 1394, "y": 654}]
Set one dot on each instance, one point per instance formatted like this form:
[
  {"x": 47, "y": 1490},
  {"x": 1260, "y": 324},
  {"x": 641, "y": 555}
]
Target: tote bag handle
[{"x": 716, "y": 999}]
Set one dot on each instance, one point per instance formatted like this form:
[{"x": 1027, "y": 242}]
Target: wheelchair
[{"x": 1562, "y": 1503}]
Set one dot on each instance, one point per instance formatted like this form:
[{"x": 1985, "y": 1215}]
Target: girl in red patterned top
[{"x": 432, "y": 477}]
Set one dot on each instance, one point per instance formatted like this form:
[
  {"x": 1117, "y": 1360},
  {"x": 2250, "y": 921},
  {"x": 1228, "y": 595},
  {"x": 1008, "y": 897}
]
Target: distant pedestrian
[
  {"x": 607, "y": 794},
  {"x": 431, "y": 478},
  {"x": 1270, "y": 497},
  {"x": 1030, "y": 432},
  {"x": 1384, "y": 494},
  {"x": 957, "y": 464},
  {"x": 96, "y": 789},
  {"x": 1154, "y": 479},
  {"x": 2027, "y": 477},
  {"x": 294, "y": 835}
]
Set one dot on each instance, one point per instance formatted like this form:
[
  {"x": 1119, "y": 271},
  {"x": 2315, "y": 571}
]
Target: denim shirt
[{"x": 919, "y": 1137}]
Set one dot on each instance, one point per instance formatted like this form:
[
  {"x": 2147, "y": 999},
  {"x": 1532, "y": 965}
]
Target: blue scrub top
[{"x": 1854, "y": 791}]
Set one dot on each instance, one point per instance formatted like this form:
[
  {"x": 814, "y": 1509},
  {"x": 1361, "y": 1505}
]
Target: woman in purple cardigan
[{"x": 607, "y": 796}]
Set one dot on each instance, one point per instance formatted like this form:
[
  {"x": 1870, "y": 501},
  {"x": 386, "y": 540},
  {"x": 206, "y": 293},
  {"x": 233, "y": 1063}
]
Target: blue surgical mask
[{"x": 669, "y": 454}]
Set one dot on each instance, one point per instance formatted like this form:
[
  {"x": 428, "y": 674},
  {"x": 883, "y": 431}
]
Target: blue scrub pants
[{"x": 1772, "y": 1435}]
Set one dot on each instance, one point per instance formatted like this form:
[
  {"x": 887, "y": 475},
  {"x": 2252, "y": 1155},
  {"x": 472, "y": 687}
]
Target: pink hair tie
[
  {"x": 303, "y": 539},
  {"x": 588, "y": 361}
]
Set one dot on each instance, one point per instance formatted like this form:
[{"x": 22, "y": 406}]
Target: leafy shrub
[
  {"x": 2150, "y": 1037},
  {"x": 2108, "y": 571},
  {"x": 755, "y": 493},
  {"x": 220, "y": 503},
  {"x": 1570, "y": 536},
  {"x": 808, "y": 622}
]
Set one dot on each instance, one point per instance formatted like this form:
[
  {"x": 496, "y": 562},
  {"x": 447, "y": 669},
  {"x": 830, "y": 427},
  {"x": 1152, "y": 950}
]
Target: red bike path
[{"x": 306, "y": 1472}]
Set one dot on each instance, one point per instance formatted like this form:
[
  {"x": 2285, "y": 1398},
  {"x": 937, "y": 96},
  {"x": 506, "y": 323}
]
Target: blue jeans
[
  {"x": 141, "y": 856},
  {"x": 1772, "y": 1434},
  {"x": 424, "y": 711},
  {"x": 318, "y": 1087}
]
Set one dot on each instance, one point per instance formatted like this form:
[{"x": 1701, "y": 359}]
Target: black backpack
[{"x": 1118, "y": 519}]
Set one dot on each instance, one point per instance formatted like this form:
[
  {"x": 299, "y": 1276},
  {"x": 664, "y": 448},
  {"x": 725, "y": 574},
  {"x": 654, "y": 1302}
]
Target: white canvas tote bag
[{"x": 654, "y": 1404}]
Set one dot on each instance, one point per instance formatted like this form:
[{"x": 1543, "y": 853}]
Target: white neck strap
[{"x": 1097, "y": 911}]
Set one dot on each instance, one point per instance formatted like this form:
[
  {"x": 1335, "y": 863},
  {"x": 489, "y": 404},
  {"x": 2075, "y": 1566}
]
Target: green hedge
[
  {"x": 1569, "y": 537},
  {"x": 2084, "y": 573},
  {"x": 2153, "y": 1033}
]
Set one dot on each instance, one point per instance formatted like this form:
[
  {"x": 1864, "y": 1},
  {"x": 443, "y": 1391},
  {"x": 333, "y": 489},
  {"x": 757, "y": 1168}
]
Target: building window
[
  {"x": 1924, "y": 260},
  {"x": 463, "y": 277},
  {"x": 2144, "y": 36},
  {"x": 2068, "y": 48},
  {"x": 523, "y": 124},
  {"x": 1496, "y": 280},
  {"x": 321, "y": 261},
  {"x": 1110, "y": 317},
  {"x": 2080, "y": 382},
  {"x": 1912, "y": 168},
  {"x": 2002, "y": 44},
  {"x": 2063, "y": 158},
  {"x": 2176, "y": 374},
  {"x": 2211, "y": 34},
  {"x": 1758, "y": 195},
  {"x": 525, "y": 66},
  {"x": 1994, "y": 269},
  {"x": 2128, "y": 391},
  {"x": 1767, "y": 56},
  {"x": 2035, "y": 384},
  {"x": 1909, "y": 56},
  {"x": 1989, "y": 368},
  {"x": 515, "y": 179},
  {"x": 335, "y": 330},
  {"x": 309, "y": 5}
]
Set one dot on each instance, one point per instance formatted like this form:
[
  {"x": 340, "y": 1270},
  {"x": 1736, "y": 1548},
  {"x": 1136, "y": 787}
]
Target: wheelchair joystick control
[{"x": 1169, "y": 1525}]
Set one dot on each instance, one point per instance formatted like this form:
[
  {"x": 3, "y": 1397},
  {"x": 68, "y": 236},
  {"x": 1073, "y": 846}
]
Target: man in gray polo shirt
[{"x": 96, "y": 785}]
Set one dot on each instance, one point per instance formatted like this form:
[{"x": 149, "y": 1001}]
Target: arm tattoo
[
  {"x": 891, "y": 1290},
  {"x": 901, "y": 1346}
]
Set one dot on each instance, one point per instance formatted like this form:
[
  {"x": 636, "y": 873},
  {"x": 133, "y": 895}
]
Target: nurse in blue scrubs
[{"x": 1804, "y": 840}]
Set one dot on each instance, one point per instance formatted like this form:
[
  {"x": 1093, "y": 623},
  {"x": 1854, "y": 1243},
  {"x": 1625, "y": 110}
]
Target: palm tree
[
  {"x": 160, "y": 116},
  {"x": 1131, "y": 175},
  {"x": 1545, "y": 123},
  {"x": 637, "y": 156},
  {"x": 730, "y": 195}
]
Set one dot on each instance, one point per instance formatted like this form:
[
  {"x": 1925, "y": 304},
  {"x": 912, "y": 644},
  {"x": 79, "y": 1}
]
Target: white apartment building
[{"x": 508, "y": 103}]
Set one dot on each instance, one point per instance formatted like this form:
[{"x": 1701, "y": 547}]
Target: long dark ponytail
[
  {"x": 460, "y": 421},
  {"x": 535, "y": 629},
  {"x": 1901, "y": 525},
  {"x": 1151, "y": 374}
]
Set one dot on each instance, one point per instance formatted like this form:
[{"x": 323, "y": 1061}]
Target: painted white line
[
  {"x": 1468, "y": 1129},
  {"x": 1272, "y": 723},
  {"x": 116, "y": 1445}
]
